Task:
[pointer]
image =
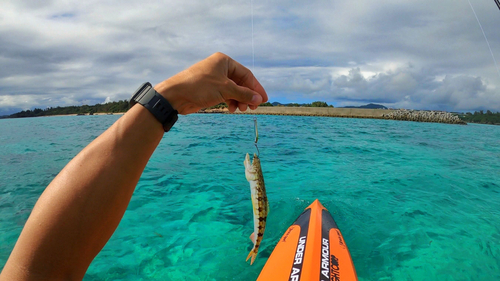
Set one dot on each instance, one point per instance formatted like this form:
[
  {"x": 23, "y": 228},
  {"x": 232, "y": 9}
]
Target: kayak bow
[{"x": 312, "y": 248}]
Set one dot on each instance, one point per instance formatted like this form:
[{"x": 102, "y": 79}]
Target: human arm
[{"x": 80, "y": 209}]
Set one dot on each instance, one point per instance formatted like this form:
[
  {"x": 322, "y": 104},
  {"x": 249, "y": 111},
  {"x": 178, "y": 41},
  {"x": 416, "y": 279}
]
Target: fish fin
[
  {"x": 253, "y": 258},
  {"x": 252, "y": 254},
  {"x": 252, "y": 237}
]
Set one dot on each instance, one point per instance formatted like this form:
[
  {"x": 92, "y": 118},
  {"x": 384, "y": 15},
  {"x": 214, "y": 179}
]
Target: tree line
[
  {"x": 121, "y": 106},
  {"x": 314, "y": 104},
  {"x": 481, "y": 117},
  {"x": 110, "y": 107},
  {"x": 487, "y": 117}
]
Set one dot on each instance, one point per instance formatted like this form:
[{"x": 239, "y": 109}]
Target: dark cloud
[{"x": 425, "y": 54}]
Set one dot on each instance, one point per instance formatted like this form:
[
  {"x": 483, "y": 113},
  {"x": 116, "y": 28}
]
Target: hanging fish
[{"x": 253, "y": 173}]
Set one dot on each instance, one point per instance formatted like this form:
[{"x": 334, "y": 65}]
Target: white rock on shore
[{"x": 424, "y": 116}]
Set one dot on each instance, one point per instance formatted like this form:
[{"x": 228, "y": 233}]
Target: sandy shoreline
[
  {"x": 86, "y": 114},
  {"x": 310, "y": 111},
  {"x": 388, "y": 114}
]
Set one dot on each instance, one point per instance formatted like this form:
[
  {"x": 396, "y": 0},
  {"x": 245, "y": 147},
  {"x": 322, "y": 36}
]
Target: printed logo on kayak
[
  {"x": 287, "y": 233},
  {"x": 341, "y": 241},
  {"x": 334, "y": 268},
  {"x": 303, "y": 223},
  {"x": 298, "y": 259},
  {"x": 325, "y": 260}
]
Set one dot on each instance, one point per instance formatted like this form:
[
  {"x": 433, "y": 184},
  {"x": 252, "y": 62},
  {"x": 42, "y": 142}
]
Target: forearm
[
  {"x": 79, "y": 211},
  {"x": 81, "y": 208}
]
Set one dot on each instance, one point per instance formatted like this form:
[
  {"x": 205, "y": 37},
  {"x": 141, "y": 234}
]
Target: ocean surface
[{"x": 414, "y": 201}]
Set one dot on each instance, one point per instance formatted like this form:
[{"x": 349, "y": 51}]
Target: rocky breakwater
[{"x": 424, "y": 116}]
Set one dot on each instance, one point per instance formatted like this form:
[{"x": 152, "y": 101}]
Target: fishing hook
[{"x": 256, "y": 136}]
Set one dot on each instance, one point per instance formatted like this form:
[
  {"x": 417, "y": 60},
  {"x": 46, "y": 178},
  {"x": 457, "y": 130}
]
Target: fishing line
[
  {"x": 484, "y": 34},
  {"x": 253, "y": 50},
  {"x": 253, "y": 67}
]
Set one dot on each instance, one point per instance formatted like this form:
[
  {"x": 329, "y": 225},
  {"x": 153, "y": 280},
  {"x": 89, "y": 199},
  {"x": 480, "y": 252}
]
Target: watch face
[
  {"x": 156, "y": 104},
  {"x": 144, "y": 88}
]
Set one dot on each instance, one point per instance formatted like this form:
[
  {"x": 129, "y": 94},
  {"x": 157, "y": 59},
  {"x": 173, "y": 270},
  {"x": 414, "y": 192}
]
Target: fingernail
[{"x": 256, "y": 99}]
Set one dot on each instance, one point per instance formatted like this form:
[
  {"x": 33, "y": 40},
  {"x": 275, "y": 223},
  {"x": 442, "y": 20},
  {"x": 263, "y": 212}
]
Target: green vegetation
[
  {"x": 218, "y": 106},
  {"x": 481, "y": 117},
  {"x": 111, "y": 107},
  {"x": 122, "y": 106},
  {"x": 319, "y": 104},
  {"x": 314, "y": 104}
]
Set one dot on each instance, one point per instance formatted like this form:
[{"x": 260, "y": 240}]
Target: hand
[{"x": 211, "y": 81}]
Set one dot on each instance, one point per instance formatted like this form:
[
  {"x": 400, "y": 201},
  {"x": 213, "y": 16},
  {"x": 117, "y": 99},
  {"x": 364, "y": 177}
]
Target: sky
[{"x": 403, "y": 54}]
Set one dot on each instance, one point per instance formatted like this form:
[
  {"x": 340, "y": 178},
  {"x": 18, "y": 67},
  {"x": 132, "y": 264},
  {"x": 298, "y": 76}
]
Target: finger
[
  {"x": 232, "y": 105},
  {"x": 244, "y": 77},
  {"x": 242, "y": 106},
  {"x": 252, "y": 107},
  {"x": 241, "y": 94}
]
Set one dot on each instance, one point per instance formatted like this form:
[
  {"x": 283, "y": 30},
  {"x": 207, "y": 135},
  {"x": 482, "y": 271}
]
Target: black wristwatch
[{"x": 156, "y": 104}]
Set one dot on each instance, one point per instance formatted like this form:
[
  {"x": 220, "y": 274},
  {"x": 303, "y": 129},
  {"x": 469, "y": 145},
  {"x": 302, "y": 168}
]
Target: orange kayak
[{"x": 312, "y": 248}]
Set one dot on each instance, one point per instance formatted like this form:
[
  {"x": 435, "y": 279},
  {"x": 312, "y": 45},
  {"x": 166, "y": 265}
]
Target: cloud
[{"x": 425, "y": 54}]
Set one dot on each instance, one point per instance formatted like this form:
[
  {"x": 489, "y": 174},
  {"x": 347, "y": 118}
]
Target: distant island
[
  {"x": 314, "y": 104},
  {"x": 110, "y": 107},
  {"x": 122, "y": 106},
  {"x": 370, "y": 105},
  {"x": 323, "y": 104}
]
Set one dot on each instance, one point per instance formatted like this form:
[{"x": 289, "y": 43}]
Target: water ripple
[{"x": 408, "y": 197}]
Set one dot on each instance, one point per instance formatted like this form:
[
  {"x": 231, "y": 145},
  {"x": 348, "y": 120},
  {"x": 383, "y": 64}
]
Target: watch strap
[{"x": 147, "y": 96}]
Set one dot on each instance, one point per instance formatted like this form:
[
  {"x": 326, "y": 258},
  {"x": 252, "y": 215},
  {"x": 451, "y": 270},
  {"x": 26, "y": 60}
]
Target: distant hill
[{"x": 370, "y": 105}]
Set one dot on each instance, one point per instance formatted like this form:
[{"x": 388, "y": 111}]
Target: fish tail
[{"x": 252, "y": 254}]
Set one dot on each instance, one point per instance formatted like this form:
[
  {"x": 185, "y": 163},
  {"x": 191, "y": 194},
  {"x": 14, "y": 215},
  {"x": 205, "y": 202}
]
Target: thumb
[{"x": 243, "y": 94}]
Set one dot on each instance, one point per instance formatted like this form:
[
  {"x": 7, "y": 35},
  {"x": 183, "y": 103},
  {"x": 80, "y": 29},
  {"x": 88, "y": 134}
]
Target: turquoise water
[{"x": 415, "y": 201}]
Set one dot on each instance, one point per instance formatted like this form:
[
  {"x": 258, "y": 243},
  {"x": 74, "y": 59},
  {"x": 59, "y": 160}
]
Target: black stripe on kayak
[
  {"x": 329, "y": 266},
  {"x": 303, "y": 222}
]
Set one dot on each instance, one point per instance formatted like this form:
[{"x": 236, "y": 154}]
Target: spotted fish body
[{"x": 253, "y": 173}]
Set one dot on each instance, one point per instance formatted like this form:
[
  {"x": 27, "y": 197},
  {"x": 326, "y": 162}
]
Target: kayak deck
[{"x": 312, "y": 248}]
